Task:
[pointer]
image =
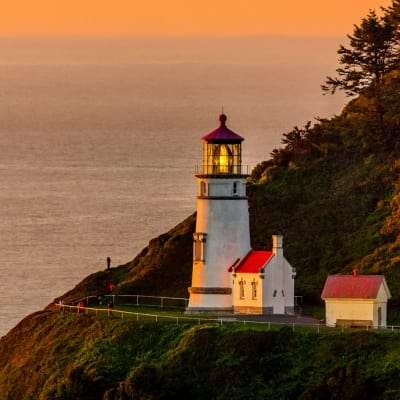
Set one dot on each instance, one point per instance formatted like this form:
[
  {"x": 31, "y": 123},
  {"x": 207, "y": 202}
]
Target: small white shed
[{"x": 356, "y": 300}]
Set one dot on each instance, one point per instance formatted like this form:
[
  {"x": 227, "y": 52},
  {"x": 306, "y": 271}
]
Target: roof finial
[{"x": 223, "y": 117}]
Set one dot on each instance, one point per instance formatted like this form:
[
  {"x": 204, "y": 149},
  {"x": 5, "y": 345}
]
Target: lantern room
[{"x": 222, "y": 151}]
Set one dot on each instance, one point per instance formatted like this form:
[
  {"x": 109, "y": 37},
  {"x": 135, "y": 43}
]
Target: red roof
[
  {"x": 253, "y": 262},
  {"x": 352, "y": 286},
  {"x": 222, "y": 134}
]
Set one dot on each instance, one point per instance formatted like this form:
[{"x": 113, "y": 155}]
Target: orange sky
[{"x": 182, "y": 17}]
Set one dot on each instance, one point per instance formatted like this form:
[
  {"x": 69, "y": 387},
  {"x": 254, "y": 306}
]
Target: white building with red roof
[
  {"x": 227, "y": 274},
  {"x": 356, "y": 300},
  {"x": 263, "y": 282}
]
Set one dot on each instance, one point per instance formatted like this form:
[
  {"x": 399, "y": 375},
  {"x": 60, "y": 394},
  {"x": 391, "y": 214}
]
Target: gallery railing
[{"x": 204, "y": 169}]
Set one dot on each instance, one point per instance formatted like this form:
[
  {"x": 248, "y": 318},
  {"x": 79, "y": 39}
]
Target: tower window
[
  {"x": 203, "y": 188},
  {"x": 199, "y": 241},
  {"x": 235, "y": 188},
  {"x": 223, "y": 159},
  {"x": 241, "y": 289},
  {"x": 254, "y": 290}
]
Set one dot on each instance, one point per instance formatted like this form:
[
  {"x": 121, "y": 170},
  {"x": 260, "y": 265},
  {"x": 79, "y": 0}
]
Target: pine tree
[{"x": 372, "y": 53}]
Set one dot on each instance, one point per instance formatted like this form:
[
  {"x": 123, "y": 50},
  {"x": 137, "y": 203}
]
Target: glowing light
[{"x": 224, "y": 158}]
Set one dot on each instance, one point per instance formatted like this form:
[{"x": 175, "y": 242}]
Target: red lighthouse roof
[
  {"x": 353, "y": 286},
  {"x": 222, "y": 134},
  {"x": 253, "y": 262}
]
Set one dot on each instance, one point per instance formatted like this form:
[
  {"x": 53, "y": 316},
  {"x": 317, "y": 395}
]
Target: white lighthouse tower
[{"x": 222, "y": 234}]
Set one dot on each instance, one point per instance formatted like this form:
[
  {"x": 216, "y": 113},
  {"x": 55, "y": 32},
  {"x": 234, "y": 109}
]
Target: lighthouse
[{"x": 222, "y": 235}]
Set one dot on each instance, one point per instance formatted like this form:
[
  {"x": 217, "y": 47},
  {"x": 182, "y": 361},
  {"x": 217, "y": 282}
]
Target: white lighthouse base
[{"x": 203, "y": 300}]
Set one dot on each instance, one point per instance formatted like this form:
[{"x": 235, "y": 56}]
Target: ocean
[{"x": 99, "y": 139}]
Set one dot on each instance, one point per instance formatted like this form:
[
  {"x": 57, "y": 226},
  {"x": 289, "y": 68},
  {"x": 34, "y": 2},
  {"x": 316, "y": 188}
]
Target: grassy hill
[{"x": 56, "y": 356}]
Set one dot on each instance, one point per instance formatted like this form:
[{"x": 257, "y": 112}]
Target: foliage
[
  {"x": 373, "y": 52},
  {"x": 121, "y": 360}
]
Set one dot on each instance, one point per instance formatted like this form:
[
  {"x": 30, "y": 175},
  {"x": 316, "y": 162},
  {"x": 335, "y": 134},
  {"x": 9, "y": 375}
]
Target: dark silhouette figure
[{"x": 108, "y": 263}]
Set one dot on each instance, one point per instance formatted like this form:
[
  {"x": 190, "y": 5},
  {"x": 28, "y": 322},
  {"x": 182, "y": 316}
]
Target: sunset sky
[{"x": 182, "y": 17}]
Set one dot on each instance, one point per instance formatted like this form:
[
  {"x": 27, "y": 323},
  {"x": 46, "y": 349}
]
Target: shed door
[{"x": 379, "y": 316}]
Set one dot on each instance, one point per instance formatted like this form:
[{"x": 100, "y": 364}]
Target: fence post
[
  {"x": 137, "y": 316},
  {"x": 221, "y": 321},
  {"x": 108, "y": 312},
  {"x": 137, "y": 299},
  {"x": 293, "y": 327},
  {"x": 177, "y": 320},
  {"x": 392, "y": 328},
  {"x": 269, "y": 326},
  {"x": 162, "y": 302},
  {"x": 198, "y": 321},
  {"x": 122, "y": 315},
  {"x": 318, "y": 328}
]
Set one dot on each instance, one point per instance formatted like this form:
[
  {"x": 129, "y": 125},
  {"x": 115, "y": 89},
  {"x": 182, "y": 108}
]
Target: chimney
[{"x": 277, "y": 245}]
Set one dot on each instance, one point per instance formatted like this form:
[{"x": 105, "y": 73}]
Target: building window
[
  {"x": 283, "y": 293},
  {"x": 241, "y": 289},
  {"x": 254, "y": 290},
  {"x": 199, "y": 241},
  {"x": 275, "y": 293}
]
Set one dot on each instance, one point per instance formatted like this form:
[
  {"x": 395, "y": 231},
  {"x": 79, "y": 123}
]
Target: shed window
[{"x": 241, "y": 289}]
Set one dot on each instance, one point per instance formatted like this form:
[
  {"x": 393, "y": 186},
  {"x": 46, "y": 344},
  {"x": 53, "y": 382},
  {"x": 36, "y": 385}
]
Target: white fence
[
  {"x": 181, "y": 319},
  {"x": 136, "y": 300},
  {"x": 177, "y": 319},
  {"x": 82, "y": 306}
]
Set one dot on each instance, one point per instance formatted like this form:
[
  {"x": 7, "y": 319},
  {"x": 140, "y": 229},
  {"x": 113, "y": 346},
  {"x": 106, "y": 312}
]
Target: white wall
[
  {"x": 349, "y": 309},
  {"x": 247, "y": 301},
  {"x": 278, "y": 277}
]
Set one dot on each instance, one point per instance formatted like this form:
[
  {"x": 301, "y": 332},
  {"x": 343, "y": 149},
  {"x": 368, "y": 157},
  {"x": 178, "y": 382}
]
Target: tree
[
  {"x": 372, "y": 53},
  {"x": 393, "y": 12}
]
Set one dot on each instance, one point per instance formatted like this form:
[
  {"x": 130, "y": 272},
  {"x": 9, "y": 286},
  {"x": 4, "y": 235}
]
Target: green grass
[{"x": 166, "y": 361}]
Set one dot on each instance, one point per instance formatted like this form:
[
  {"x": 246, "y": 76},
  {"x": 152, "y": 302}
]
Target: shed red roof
[
  {"x": 253, "y": 262},
  {"x": 352, "y": 286},
  {"x": 222, "y": 134}
]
